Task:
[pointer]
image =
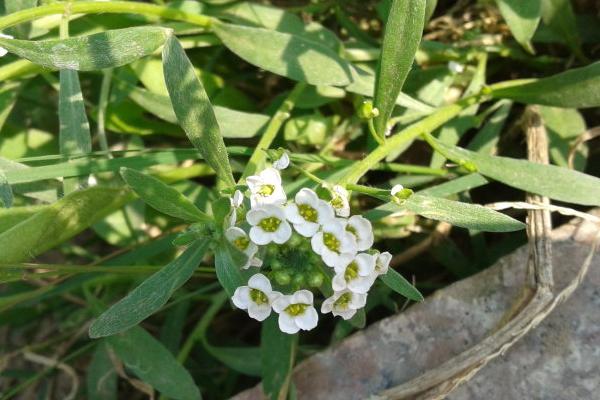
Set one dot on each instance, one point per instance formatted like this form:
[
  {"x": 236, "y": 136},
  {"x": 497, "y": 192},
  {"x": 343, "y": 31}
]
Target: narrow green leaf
[
  {"x": 59, "y": 222},
  {"x": 151, "y": 295},
  {"x": 74, "y": 135},
  {"x": 193, "y": 109},
  {"x": 15, "y": 215},
  {"x": 246, "y": 360},
  {"x": 101, "y": 378},
  {"x": 147, "y": 358},
  {"x": 278, "y": 353},
  {"x": 403, "y": 31},
  {"x": 546, "y": 180},
  {"x": 293, "y": 56},
  {"x": 228, "y": 262},
  {"x": 575, "y": 88},
  {"x": 465, "y": 215},
  {"x": 6, "y": 194},
  {"x": 400, "y": 285},
  {"x": 93, "y": 52},
  {"x": 523, "y": 18},
  {"x": 233, "y": 123},
  {"x": 560, "y": 18},
  {"x": 23, "y": 30},
  {"x": 162, "y": 197},
  {"x": 8, "y": 96}
]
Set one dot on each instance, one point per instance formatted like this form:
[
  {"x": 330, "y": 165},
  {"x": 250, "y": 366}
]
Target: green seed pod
[{"x": 282, "y": 277}]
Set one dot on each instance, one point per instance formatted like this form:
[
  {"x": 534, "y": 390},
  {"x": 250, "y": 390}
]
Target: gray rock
[{"x": 560, "y": 359}]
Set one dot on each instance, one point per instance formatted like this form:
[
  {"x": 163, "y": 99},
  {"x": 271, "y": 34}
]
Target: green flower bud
[
  {"x": 282, "y": 277},
  {"x": 367, "y": 111},
  {"x": 315, "y": 279},
  {"x": 298, "y": 280}
]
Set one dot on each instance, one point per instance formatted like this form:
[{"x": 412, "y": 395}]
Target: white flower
[
  {"x": 354, "y": 273},
  {"x": 362, "y": 230},
  {"x": 257, "y": 297},
  {"x": 334, "y": 242},
  {"x": 344, "y": 304},
  {"x": 382, "y": 263},
  {"x": 266, "y": 188},
  {"x": 397, "y": 189},
  {"x": 308, "y": 212},
  {"x": 296, "y": 312},
  {"x": 268, "y": 225},
  {"x": 283, "y": 162},
  {"x": 236, "y": 202},
  {"x": 240, "y": 240},
  {"x": 340, "y": 201},
  {"x": 456, "y": 68},
  {"x": 3, "y": 51}
]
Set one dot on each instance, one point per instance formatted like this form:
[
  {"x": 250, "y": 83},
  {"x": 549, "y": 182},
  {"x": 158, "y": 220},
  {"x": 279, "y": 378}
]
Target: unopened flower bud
[{"x": 367, "y": 111}]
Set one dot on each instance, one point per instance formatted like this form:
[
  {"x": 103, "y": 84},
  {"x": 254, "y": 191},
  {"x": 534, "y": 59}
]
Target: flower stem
[
  {"x": 94, "y": 7},
  {"x": 102, "y": 105},
  {"x": 258, "y": 158},
  {"x": 426, "y": 125}
]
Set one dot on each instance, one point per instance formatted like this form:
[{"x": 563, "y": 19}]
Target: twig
[
  {"x": 54, "y": 363},
  {"x": 441, "y": 231},
  {"x": 584, "y": 137}
]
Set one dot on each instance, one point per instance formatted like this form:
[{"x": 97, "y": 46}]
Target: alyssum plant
[{"x": 277, "y": 240}]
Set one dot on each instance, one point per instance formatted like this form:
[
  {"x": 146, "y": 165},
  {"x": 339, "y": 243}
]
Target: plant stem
[
  {"x": 426, "y": 125},
  {"x": 94, "y": 7},
  {"x": 259, "y": 156},
  {"x": 102, "y": 105}
]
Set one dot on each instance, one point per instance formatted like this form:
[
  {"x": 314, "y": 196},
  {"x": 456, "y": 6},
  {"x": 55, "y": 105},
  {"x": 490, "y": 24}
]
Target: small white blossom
[
  {"x": 268, "y": 225},
  {"x": 382, "y": 263},
  {"x": 3, "y": 51},
  {"x": 236, "y": 202},
  {"x": 455, "y": 67},
  {"x": 242, "y": 242},
  {"x": 362, "y": 230},
  {"x": 296, "y": 312},
  {"x": 340, "y": 201},
  {"x": 344, "y": 304},
  {"x": 308, "y": 212},
  {"x": 257, "y": 297},
  {"x": 354, "y": 273},
  {"x": 283, "y": 162},
  {"x": 266, "y": 188},
  {"x": 334, "y": 242},
  {"x": 396, "y": 189}
]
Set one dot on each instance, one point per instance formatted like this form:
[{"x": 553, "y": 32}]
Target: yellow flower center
[
  {"x": 351, "y": 272},
  {"x": 266, "y": 190},
  {"x": 343, "y": 301},
  {"x": 337, "y": 202},
  {"x": 331, "y": 242},
  {"x": 241, "y": 243},
  {"x": 308, "y": 213},
  {"x": 258, "y": 297},
  {"x": 296, "y": 309},
  {"x": 270, "y": 224}
]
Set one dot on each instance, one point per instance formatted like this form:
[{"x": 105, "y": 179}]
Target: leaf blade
[
  {"x": 523, "y": 18},
  {"x": 92, "y": 52},
  {"x": 151, "y": 295},
  {"x": 193, "y": 109},
  {"x": 400, "y": 285}
]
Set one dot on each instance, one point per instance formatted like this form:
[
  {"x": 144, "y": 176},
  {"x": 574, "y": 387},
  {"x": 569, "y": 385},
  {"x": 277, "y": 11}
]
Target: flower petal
[
  {"x": 345, "y": 314},
  {"x": 308, "y": 320},
  {"x": 366, "y": 264},
  {"x": 302, "y": 296},
  {"x": 259, "y": 312},
  {"x": 287, "y": 324},
  {"x": 281, "y": 303},
  {"x": 317, "y": 243},
  {"x": 256, "y": 215},
  {"x": 241, "y": 297},
  {"x": 292, "y": 214},
  {"x": 307, "y": 229},
  {"x": 338, "y": 282},
  {"x": 283, "y": 234},
  {"x": 260, "y": 237},
  {"x": 260, "y": 282}
]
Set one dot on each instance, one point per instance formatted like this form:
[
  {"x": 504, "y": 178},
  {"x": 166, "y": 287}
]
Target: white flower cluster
[{"x": 341, "y": 243}]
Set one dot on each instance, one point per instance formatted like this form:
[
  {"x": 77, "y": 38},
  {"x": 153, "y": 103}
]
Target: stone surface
[{"x": 558, "y": 360}]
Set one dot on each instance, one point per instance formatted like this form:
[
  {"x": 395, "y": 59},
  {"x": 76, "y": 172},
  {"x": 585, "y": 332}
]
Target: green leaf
[
  {"x": 523, "y": 18},
  {"x": 574, "y": 88},
  {"x": 101, "y": 378},
  {"x": 228, "y": 262},
  {"x": 147, "y": 358},
  {"x": 15, "y": 215},
  {"x": 8, "y": 96},
  {"x": 560, "y": 18},
  {"x": 74, "y": 135},
  {"x": 59, "y": 222},
  {"x": 193, "y": 109},
  {"x": 403, "y": 31},
  {"x": 546, "y": 180},
  {"x": 233, "y": 123},
  {"x": 278, "y": 353},
  {"x": 293, "y": 56},
  {"x": 6, "y": 194},
  {"x": 399, "y": 284},
  {"x": 246, "y": 360},
  {"x": 93, "y": 52},
  {"x": 151, "y": 295},
  {"x": 162, "y": 197},
  {"x": 465, "y": 215}
]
